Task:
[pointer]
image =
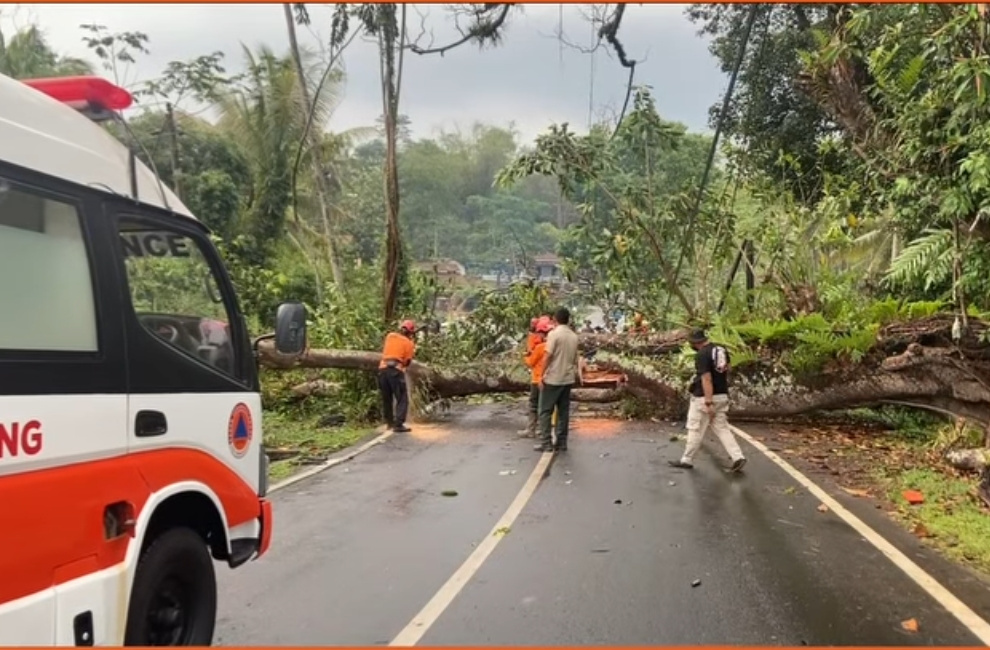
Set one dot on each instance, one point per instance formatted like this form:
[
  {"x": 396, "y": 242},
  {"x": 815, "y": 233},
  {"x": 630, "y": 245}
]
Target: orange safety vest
[
  {"x": 399, "y": 350},
  {"x": 534, "y": 360}
]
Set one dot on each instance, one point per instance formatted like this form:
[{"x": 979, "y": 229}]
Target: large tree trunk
[{"x": 391, "y": 44}]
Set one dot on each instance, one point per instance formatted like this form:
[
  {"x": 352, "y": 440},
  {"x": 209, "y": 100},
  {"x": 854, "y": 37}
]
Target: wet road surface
[{"x": 605, "y": 552}]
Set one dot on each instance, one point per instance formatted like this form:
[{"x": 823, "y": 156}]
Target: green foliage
[
  {"x": 631, "y": 191},
  {"x": 778, "y": 126},
  {"x": 494, "y": 326},
  {"x": 26, "y": 54},
  {"x": 808, "y": 343},
  {"x": 927, "y": 261}
]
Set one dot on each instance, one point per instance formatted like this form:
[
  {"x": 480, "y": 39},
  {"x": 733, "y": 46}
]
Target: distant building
[
  {"x": 447, "y": 272},
  {"x": 547, "y": 267}
]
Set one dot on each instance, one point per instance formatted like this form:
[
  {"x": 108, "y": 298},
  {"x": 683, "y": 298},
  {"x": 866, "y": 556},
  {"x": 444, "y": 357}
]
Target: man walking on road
[
  {"x": 397, "y": 354},
  {"x": 561, "y": 369},
  {"x": 709, "y": 402}
]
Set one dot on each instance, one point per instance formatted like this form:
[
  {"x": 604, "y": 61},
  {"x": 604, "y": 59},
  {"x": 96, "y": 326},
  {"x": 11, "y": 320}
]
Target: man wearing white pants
[{"x": 709, "y": 402}]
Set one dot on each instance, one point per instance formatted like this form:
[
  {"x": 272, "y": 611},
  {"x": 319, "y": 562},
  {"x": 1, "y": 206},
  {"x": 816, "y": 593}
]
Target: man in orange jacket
[
  {"x": 533, "y": 337},
  {"x": 397, "y": 354},
  {"x": 534, "y": 361}
]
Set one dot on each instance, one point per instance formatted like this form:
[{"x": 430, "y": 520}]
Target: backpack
[{"x": 720, "y": 359}]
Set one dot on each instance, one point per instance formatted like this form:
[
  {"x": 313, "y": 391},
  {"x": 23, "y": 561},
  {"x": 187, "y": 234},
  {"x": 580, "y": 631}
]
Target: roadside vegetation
[{"x": 832, "y": 229}]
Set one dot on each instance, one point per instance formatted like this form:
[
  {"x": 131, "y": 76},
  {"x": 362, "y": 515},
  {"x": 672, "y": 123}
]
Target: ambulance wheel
[{"x": 174, "y": 597}]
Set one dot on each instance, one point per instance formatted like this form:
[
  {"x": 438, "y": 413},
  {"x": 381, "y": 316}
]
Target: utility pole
[{"x": 174, "y": 148}]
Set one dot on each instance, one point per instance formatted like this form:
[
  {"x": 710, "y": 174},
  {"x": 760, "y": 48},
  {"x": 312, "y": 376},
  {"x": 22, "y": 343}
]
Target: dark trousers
[
  {"x": 552, "y": 397},
  {"x": 392, "y": 384},
  {"x": 534, "y": 400}
]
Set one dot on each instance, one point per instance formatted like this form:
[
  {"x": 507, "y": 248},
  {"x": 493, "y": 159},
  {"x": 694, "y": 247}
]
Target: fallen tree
[
  {"x": 914, "y": 363},
  {"x": 780, "y": 370}
]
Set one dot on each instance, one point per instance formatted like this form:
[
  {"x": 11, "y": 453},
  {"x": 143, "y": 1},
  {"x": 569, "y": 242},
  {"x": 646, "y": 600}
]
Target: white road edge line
[
  {"x": 970, "y": 619},
  {"x": 421, "y": 623},
  {"x": 331, "y": 462}
]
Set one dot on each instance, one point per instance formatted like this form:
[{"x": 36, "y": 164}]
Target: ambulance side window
[
  {"x": 46, "y": 283},
  {"x": 175, "y": 293}
]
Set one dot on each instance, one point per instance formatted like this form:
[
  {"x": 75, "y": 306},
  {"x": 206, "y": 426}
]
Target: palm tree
[
  {"x": 27, "y": 55},
  {"x": 268, "y": 115}
]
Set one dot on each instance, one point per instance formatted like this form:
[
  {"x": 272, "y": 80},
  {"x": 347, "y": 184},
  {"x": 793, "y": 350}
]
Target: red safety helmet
[
  {"x": 408, "y": 326},
  {"x": 543, "y": 325}
]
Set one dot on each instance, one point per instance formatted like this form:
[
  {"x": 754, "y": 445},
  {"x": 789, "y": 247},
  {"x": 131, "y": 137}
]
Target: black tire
[{"x": 174, "y": 597}]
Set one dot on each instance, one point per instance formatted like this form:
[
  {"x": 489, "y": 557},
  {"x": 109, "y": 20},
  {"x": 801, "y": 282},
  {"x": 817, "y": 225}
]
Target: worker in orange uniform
[
  {"x": 533, "y": 337},
  {"x": 534, "y": 361},
  {"x": 639, "y": 326},
  {"x": 397, "y": 354}
]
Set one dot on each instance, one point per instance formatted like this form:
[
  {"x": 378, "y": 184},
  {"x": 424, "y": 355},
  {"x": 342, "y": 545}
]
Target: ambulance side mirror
[{"x": 290, "y": 328}]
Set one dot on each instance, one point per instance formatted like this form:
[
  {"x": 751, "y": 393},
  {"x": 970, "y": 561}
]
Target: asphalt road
[{"x": 606, "y": 552}]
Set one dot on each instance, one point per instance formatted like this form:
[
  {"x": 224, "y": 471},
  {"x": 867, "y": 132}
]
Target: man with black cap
[{"x": 709, "y": 402}]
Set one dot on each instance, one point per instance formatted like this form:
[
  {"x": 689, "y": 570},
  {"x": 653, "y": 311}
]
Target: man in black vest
[{"x": 709, "y": 402}]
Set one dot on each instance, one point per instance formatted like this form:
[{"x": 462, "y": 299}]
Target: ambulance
[{"x": 131, "y": 455}]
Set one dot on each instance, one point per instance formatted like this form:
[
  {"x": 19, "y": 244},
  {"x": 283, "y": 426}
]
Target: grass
[
  {"x": 305, "y": 434},
  {"x": 951, "y": 518}
]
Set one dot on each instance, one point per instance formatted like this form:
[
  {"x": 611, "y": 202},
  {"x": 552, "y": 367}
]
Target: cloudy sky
[{"x": 529, "y": 81}]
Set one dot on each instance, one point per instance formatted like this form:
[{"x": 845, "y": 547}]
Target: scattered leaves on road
[
  {"x": 449, "y": 493},
  {"x": 822, "y": 507},
  {"x": 696, "y": 583},
  {"x": 501, "y": 532},
  {"x": 507, "y": 472},
  {"x": 863, "y": 494},
  {"x": 910, "y": 625}
]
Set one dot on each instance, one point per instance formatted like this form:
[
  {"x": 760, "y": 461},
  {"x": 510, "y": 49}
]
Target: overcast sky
[{"x": 531, "y": 80}]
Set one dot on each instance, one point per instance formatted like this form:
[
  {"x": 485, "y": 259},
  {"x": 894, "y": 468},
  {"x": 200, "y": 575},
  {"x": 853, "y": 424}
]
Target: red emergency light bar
[{"x": 94, "y": 96}]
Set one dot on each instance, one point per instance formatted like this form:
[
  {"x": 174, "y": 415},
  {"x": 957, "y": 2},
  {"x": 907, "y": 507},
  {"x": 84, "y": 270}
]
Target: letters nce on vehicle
[{"x": 130, "y": 417}]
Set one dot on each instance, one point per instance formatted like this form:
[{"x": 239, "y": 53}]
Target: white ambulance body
[{"x": 130, "y": 431}]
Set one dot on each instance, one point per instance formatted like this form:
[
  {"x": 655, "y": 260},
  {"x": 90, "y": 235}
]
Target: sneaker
[
  {"x": 680, "y": 464},
  {"x": 401, "y": 429},
  {"x": 543, "y": 447},
  {"x": 562, "y": 447},
  {"x": 526, "y": 433},
  {"x": 738, "y": 465}
]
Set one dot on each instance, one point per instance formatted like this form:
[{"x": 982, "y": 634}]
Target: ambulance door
[
  {"x": 194, "y": 412},
  {"x": 62, "y": 408}
]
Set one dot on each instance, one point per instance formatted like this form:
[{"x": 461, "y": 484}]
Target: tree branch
[{"x": 483, "y": 29}]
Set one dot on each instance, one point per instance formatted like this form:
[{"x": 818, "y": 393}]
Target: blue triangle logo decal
[{"x": 241, "y": 432}]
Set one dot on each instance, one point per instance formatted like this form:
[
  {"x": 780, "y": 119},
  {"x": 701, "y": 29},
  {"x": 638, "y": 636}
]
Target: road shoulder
[{"x": 827, "y": 460}]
